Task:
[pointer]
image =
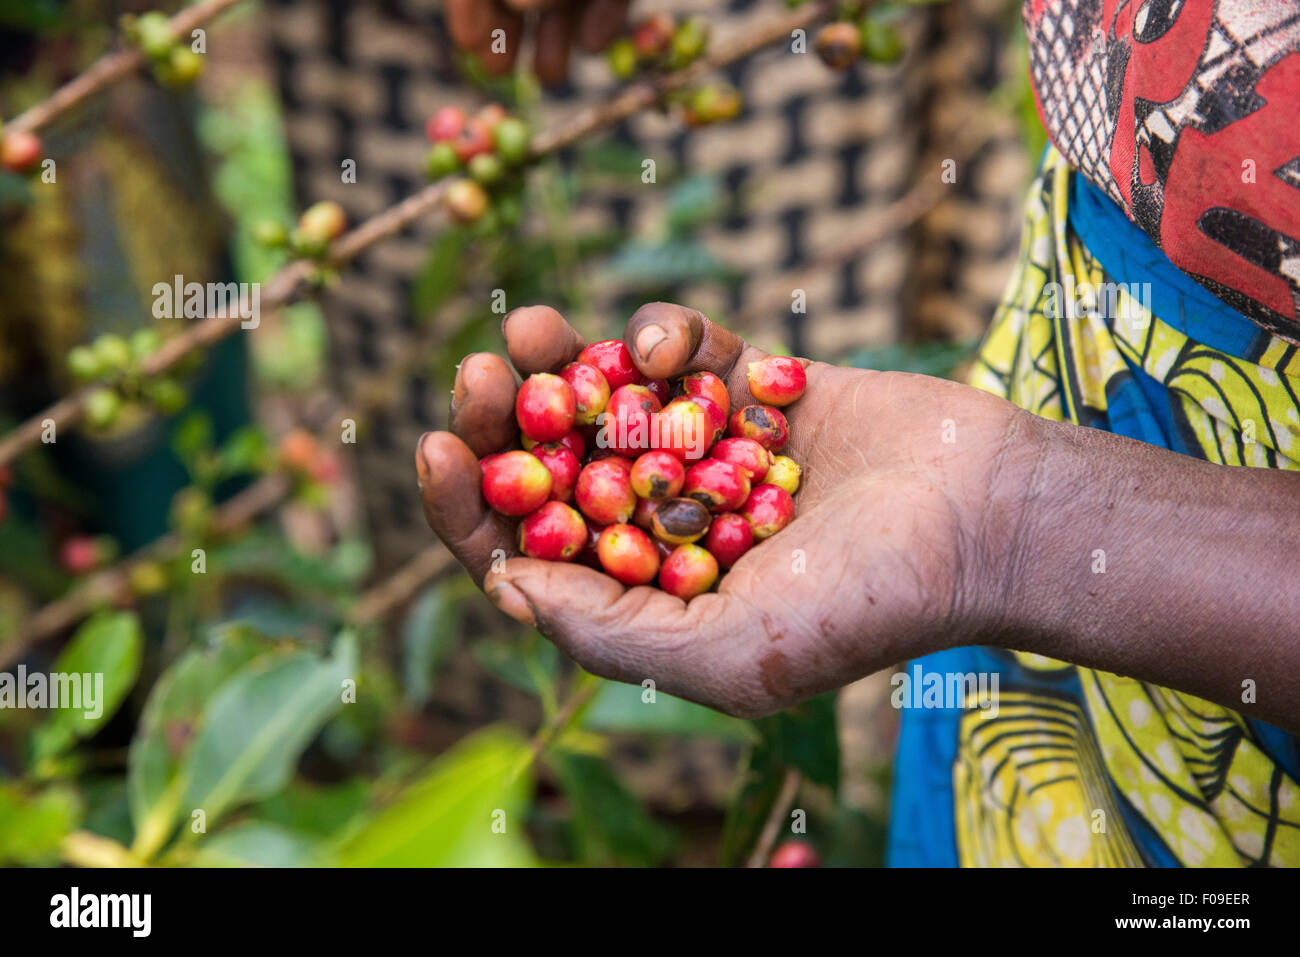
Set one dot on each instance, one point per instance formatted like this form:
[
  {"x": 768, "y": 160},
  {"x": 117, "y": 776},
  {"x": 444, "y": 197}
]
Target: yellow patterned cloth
[{"x": 1079, "y": 767}]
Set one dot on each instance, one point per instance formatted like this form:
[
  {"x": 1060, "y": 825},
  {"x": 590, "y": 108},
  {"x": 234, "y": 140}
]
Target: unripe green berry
[
  {"x": 689, "y": 42},
  {"x": 166, "y": 395},
  {"x": 512, "y": 140},
  {"x": 622, "y": 58},
  {"x": 147, "y": 578},
  {"x": 102, "y": 406},
  {"x": 84, "y": 364},
  {"x": 880, "y": 42},
  {"x": 144, "y": 342},
  {"x": 324, "y": 221},
  {"x": 270, "y": 233},
  {"x": 308, "y": 247},
  {"x": 154, "y": 35},
  {"x": 486, "y": 168},
  {"x": 112, "y": 352},
  {"x": 181, "y": 68},
  {"x": 442, "y": 161}
]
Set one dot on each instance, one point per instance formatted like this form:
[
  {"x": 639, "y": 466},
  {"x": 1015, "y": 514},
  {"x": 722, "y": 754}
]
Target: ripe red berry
[
  {"x": 80, "y": 554},
  {"x": 748, "y": 454},
  {"x": 653, "y": 36},
  {"x": 679, "y": 521},
  {"x": 729, "y": 537},
  {"x": 768, "y": 509},
  {"x": 762, "y": 423},
  {"x": 628, "y": 423},
  {"x": 710, "y": 386},
  {"x": 720, "y": 486},
  {"x": 545, "y": 407},
  {"x": 777, "y": 380},
  {"x": 563, "y": 466},
  {"x": 686, "y": 428},
  {"x": 445, "y": 125},
  {"x": 474, "y": 139},
  {"x": 515, "y": 483},
  {"x": 657, "y": 475},
  {"x": 644, "y": 515},
  {"x": 795, "y": 854},
  {"x": 20, "y": 151},
  {"x": 627, "y": 554},
  {"x": 688, "y": 571},
  {"x": 604, "y": 491},
  {"x": 613, "y": 360},
  {"x": 590, "y": 390},
  {"x": 554, "y": 532},
  {"x": 661, "y": 388}
]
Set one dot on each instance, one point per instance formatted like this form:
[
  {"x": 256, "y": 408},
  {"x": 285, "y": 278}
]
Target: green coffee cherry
[
  {"x": 442, "y": 161},
  {"x": 181, "y": 68},
  {"x": 147, "y": 578},
  {"x": 486, "y": 169},
  {"x": 84, "y": 364},
  {"x": 166, "y": 395},
  {"x": 306, "y": 246},
  {"x": 690, "y": 40},
  {"x": 880, "y": 42},
  {"x": 144, "y": 342},
  {"x": 270, "y": 233},
  {"x": 512, "y": 140},
  {"x": 622, "y": 58},
  {"x": 154, "y": 35},
  {"x": 102, "y": 407},
  {"x": 113, "y": 353}
]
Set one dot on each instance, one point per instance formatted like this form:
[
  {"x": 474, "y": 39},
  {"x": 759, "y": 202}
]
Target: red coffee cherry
[
  {"x": 545, "y": 407},
  {"x": 627, "y": 554},
  {"x": 719, "y": 486},
  {"x": 777, "y": 380},
  {"x": 748, "y": 454},
  {"x": 590, "y": 390},
  {"x": 613, "y": 360},
  {"x": 604, "y": 491},
  {"x": 515, "y": 483},
  {"x": 657, "y": 475},
  {"x": 688, "y": 571},
  {"x": 768, "y": 509},
  {"x": 762, "y": 423},
  {"x": 729, "y": 537},
  {"x": 554, "y": 532},
  {"x": 563, "y": 466}
]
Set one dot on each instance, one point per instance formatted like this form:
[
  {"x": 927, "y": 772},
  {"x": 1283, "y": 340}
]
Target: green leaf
[
  {"x": 430, "y": 634},
  {"x": 530, "y": 664},
  {"x": 621, "y": 708},
  {"x": 259, "y": 844},
  {"x": 259, "y": 723},
  {"x": 269, "y": 557},
  {"x": 174, "y": 714},
  {"x": 442, "y": 273},
  {"x": 693, "y": 202},
  {"x": 31, "y": 826},
  {"x": 609, "y": 826},
  {"x": 804, "y": 738},
  {"x": 313, "y": 809},
  {"x": 678, "y": 261},
  {"x": 106, "y": 647},
  {"x": 454, "y": 815}
]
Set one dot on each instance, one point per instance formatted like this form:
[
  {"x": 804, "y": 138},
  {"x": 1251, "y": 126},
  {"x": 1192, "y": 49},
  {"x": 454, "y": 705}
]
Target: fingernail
[
  {"x": 511, "y": 600},
  {"x": 421, "y": 465},
  {"x": 647, "y": 339}
]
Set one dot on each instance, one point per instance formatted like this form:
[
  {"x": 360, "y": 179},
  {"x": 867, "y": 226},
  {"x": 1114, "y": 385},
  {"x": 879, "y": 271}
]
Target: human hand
[
  {"x": 900, "y": 542},
  {"x": 560, "y": 24}
]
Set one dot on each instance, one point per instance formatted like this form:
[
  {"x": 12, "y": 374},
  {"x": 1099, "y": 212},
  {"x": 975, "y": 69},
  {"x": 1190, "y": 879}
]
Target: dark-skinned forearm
[{"x": 1143, "y": 562}]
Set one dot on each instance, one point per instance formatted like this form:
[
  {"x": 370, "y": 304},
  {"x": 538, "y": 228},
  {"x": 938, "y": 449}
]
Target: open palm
[{"x": 908, "y": 502}]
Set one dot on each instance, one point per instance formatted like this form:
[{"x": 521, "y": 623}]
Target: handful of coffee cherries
[{"x": 647, "y": 479}]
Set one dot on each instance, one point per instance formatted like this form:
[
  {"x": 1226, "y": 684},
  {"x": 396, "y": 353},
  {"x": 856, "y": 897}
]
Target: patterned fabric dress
[{"x": 1100, "y": 327}]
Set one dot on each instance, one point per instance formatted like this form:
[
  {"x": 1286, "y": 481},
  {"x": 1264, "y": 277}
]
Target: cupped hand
[
  {"x": 561, "y": 25},
  {"x": 907, "y": 525}
]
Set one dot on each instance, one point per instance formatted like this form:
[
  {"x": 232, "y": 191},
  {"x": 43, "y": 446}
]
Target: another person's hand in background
[{"x": 559, "y": 26}]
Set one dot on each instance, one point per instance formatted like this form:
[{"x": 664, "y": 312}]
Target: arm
[{"x": 1201, "y": 588}]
